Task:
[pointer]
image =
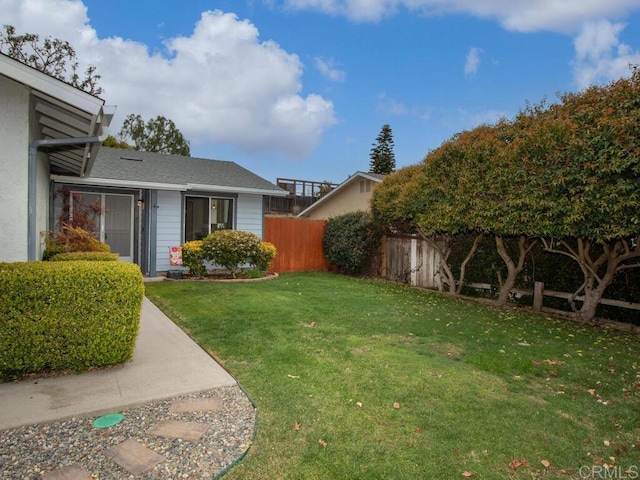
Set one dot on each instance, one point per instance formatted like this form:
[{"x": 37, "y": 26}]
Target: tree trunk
[
  {"x": 513, "y": 269},
  {"x": 444, "y": 249},
  {"x": 599, "y": 268}
]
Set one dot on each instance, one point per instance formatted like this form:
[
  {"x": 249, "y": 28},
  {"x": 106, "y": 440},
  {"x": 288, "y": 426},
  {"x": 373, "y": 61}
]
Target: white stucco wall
[{"x": 14, "y": 139}]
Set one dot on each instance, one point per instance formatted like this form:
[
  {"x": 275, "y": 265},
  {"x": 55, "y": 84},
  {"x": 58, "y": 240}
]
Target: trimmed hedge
[
  {"x": 67, "y": 315},
  {"x": 86, "y": 256}
]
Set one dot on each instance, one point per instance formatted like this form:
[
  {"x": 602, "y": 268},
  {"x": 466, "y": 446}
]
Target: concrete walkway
[{"x": 166, "y": 363}]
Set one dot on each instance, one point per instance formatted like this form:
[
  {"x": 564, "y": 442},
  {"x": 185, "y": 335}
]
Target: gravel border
[{"x": 26, "y": 453}]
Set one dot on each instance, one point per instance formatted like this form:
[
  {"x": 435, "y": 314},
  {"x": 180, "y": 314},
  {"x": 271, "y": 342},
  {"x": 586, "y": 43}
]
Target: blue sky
[{"x": 301, "y": 88}]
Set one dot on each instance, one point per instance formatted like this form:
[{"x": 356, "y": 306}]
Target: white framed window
[{"x": 204, "y": 215}]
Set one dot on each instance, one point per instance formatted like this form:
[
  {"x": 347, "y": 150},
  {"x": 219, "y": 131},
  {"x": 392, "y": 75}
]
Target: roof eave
[{"x": 232, "y": 189}]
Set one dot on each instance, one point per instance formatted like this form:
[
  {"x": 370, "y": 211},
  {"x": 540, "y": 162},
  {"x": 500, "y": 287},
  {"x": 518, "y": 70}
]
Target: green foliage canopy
[
  {"x": 52, "y": 56},
  {"x": 155, "y": 135}
]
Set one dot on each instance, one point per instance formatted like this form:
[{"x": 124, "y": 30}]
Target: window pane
[
  {"x": 86, "y": 209},
  {"x": 221, "y": 214},
  {"x": 196, "y": 218}
]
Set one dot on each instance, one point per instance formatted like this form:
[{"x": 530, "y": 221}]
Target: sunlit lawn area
[{"x": 362, "y": 379}]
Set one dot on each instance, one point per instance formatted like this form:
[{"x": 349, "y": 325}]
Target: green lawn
[{"x": 361, "y": 379}]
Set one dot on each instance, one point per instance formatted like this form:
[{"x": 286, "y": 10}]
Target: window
[{"x": 204, "y": 215}]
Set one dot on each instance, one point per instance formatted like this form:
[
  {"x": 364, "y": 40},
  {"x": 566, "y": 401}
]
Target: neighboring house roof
[
  {"x": 375, "y": 177},
  {"x": 138, "y": 169},
  {"x": 62, "y": 112}
]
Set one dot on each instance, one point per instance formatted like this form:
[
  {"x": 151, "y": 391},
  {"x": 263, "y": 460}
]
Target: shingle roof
[{"x": 155, "y": 168}]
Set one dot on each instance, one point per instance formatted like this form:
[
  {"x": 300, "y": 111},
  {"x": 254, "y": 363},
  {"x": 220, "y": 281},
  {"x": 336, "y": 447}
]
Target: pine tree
[{"x": 383, "y": 160}]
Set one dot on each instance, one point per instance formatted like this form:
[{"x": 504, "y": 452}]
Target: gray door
[{"x": 118, "y": 225}]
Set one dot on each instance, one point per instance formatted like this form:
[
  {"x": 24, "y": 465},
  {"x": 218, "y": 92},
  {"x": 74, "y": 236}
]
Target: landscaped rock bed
[{"x": 38, "y": 451}]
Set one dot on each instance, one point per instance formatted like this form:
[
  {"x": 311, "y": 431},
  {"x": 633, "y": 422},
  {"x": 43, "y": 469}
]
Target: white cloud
[
  {"x": 472, "y": 61},
  {"x": 600, "y": 55},
  {"x": 219, "y": 84},
  {"x": 525, "y": 15},
  {"x": 328, "y": 70}
]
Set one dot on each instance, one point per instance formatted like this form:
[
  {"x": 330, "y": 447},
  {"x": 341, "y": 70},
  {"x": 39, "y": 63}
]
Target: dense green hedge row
[
  {"x": 87, "y": 256},
  {"x": 67, "y": 315}
]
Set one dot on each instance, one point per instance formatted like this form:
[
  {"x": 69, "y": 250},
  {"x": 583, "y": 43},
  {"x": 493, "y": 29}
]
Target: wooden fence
[
  {"x": 299, "y": 244},
  {"x": 409, "y": 259}
]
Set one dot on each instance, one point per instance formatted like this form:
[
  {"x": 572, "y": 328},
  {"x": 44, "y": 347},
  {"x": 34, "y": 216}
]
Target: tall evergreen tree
[{"x": 383, "y": 160}]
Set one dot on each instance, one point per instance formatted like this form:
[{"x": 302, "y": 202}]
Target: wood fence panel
[
  {"x": 398, "y": 258},
  {"x": 409, "y": 259},
  {"x": 299, "y": 244}
]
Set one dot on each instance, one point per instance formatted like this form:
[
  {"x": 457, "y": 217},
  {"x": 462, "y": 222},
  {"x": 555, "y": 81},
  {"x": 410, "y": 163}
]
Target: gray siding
[
  {"x": 169, "y": 226},
  {"x": 249, "y": 218},
  {"x": 249, "y": 214}
]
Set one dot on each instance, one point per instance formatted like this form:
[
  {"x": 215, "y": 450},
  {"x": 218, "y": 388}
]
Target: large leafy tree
[
  {"x": 383, "y": 160},
  {"x": 568, "y": 174},
  {"x": 155, "y": 135},
  {"x": 583, "y": 161},
  {"x": 52, "y": 56}
]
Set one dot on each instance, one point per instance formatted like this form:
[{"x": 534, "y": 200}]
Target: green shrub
[
  {"x": 86, "y": 256},
  {"x": 193, "y": 258},
  {"x": 52, "y": 251},
  {"x": 264, "y": 256},
  {"x": 67, "y": 315},
  {"x": 231, "y": 248},
  {"x": 348, "y": 241}
]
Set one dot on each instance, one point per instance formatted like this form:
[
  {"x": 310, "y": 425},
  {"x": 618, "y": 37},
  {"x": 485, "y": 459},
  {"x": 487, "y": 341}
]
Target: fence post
[
  {"x": 538, "y": 294},
  {"x": 383, "y": 257}
]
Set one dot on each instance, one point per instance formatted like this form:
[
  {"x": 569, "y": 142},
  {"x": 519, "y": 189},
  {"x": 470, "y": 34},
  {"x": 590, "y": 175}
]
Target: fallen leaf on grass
[
  {"x": 322, "y": 443},
  {"x": 516, "y": 464},
  {"x": 396, "y": 405},
  {"x": 296, "y": 426},
  {"x": 554, "y": 362},
  {"x": 467, "y": 474},
  {"x": 545, "y": 463},
  {"x": 359, "y": 404},
  {"x": 592, "y": 391},
  {"x": 314, "y": 324}
]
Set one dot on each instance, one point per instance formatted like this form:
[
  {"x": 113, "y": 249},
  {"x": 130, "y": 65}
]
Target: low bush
[
  {"x": 264, "y": 256},
  {"x": 67, "y": 315},
  {"x": 231, "y": 248},
  {"x": 86, "y": 256},
  {"x": 193, "y": 258},
  {"x": 349, "y": 240}
]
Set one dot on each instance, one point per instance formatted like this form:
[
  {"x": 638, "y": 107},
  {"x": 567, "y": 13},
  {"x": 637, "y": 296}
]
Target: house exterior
[
  {"x": 46, "y": 126},
  {"x": 352, "y": 195},
  {"x": 144, "y": 203}
]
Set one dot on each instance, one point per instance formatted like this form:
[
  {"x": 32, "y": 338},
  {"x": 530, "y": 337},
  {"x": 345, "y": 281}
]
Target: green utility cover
[{"x": 108, "y": 420}]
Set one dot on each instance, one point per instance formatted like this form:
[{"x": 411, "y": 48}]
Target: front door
[{"x": 117, "y": 230}]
